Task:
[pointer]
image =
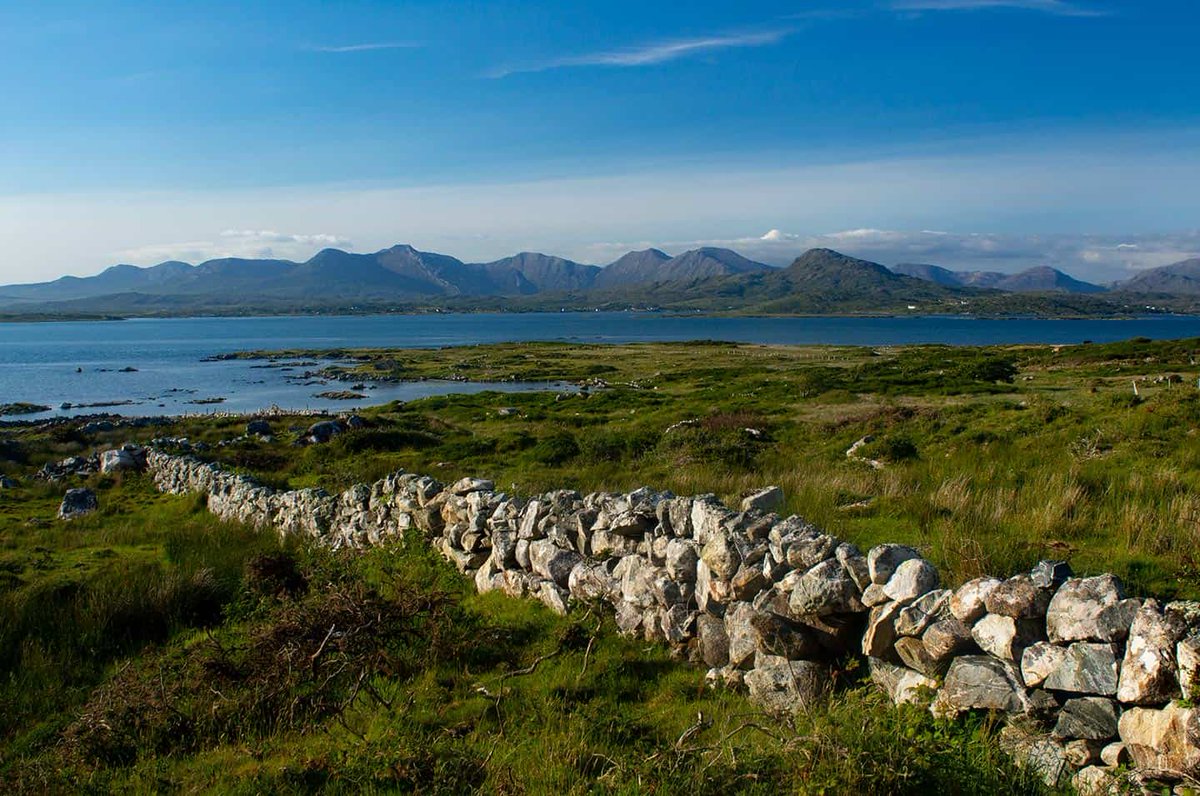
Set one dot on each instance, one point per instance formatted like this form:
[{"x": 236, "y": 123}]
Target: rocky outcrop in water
[{"x": 1089, "y": 676}]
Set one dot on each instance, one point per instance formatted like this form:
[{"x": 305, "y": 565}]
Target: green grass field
[{"x": 150, "y": 647}]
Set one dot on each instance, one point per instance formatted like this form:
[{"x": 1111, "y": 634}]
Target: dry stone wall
[{"x": 1093, "y": 682}]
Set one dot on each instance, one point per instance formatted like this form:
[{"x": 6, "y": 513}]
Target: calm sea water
[{"x": 39, "y": 361}]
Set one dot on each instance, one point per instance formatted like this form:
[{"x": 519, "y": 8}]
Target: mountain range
[
  {"x": 819, "y": 280},
  {"x": 1039, "y": 279}
]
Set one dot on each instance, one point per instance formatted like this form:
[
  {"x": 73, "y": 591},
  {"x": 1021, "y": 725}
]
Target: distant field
[{"x": 150, "y": 647}]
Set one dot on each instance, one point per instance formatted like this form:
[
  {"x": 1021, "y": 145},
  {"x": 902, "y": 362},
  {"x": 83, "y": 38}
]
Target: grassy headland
[{"x": 149, "y": 647}]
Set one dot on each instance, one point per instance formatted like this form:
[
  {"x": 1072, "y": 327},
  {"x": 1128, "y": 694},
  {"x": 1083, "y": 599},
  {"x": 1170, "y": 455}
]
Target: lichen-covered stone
[
  {"x": 981, "y": 682},
  {"x": 1089, "y": 609},
  {"x": 788, "y": 688},
  {"x": 1091, "y": 718},
  {"x": 882, "y": 560},
  {"x": 825, "y": 589},
  {"x": 1018, "y": 598},
  {"x": 1166, "y": 739},
  {"x": 1005, "y": 637},
  {"x": 912, "y": 579},
  {"x": 1086, "y": 668},
  {"x": 968, "y": 604},
  {"x": 1149, "y": 675}
]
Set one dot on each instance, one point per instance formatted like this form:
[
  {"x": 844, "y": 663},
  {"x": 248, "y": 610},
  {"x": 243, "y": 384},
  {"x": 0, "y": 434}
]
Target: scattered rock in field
[
  {"x": 258, "y": 428},
  {"x": 127, "y": 459},
  {"x": 77, "y": 503},
  {"x": 73, "y": 465}
]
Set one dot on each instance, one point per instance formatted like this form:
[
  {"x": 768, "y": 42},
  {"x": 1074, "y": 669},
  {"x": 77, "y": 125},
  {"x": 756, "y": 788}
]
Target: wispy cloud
[
  {"x": 366, "y": 46},
  {"x": 652, "y": 53},
  {"x": 1057, "y": 7}
]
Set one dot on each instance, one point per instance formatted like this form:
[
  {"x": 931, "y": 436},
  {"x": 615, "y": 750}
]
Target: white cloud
[
  {"x": 235, "y": 243},
  {"x": 366, "y": 47},
  {"x": 1056, "y": 7},
  {"x": 649, "y": 54}
]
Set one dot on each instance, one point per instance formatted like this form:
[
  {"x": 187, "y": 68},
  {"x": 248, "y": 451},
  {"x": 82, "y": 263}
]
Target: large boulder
[
  {"x": 981, "y": 682},
  {"x": 722, "y": 556},
  {"x": 1039, "y": 660},
  {"x": 931, "y": 607},
  {"x": 1166, "y": 740},
  {"x": 1005, "y": 637},
  {"x": 1086, "y": 668},
  {"x": 552, "y": 562},
  {"x": 825, "y": 589},
  {"x": 883, "y": 560},
  {"x": 900, "y": 684},
  {"x": 788, "y": 687},
  {"x": 77, "y": 503},
  {"x": 323, "y": 431},
  {"x": 713, "y": 640},
  {"x": 968, "y": 604},
  {"x": 1090, "y": 609},
  {"x": 119, "y": 460},
  {"x": 1089, "y": 718},
  {"x": 1018, "y": 598},
  {"x": 1149, "y": 675},
  {"x": 258, "y": 428},
  {"x": 912, "y": 579}
]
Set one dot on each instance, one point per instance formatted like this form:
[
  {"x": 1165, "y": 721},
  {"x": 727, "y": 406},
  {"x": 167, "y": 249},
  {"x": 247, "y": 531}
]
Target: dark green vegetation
[
  {"x": 995, "y": 457},
  {"x": 149, "y": 647}
]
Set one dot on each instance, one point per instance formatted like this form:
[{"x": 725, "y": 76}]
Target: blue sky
[{"x": 1061, "y": 131}]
